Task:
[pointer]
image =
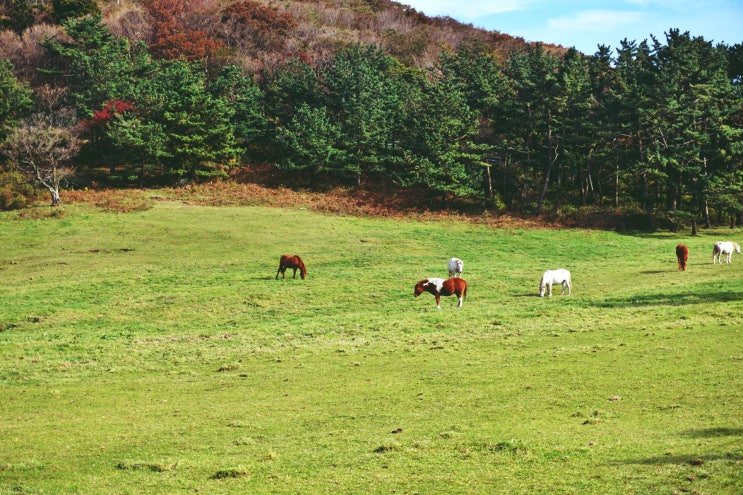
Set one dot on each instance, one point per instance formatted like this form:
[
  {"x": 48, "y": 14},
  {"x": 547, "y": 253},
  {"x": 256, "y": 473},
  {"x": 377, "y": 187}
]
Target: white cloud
[
  {"x": 594, "y": 21},
  {"x": 466, "y": 9},
  {"x": 586, "y": 24}
]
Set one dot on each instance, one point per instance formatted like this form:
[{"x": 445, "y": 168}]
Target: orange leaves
[{"x": 179, "y": 29}]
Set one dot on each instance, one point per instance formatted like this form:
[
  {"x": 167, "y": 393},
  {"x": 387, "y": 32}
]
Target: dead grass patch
[{"x": 408, "y": 204}]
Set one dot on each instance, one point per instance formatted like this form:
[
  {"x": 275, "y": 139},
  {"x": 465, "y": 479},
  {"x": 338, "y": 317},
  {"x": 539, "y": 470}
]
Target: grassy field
[{"x": 154, "y": 352}]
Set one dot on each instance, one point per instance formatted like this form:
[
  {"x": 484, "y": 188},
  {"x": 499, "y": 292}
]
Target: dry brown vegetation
[
  {"x": 259, "y": 34},
  {"x": 340, "y": 201}
]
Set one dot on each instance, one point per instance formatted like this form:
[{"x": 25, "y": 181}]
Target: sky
[{"x": 586, "y": 24}]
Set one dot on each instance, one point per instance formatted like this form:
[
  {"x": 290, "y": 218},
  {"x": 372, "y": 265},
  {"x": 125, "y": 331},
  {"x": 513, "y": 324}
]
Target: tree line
[{"x": 652, "y": 127}]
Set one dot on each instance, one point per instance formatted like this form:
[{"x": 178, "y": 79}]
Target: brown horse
[
  {"x": 440, "y": 287},
  {"x": 289, "y": 261},
  {"x": 682, "y": 253}
]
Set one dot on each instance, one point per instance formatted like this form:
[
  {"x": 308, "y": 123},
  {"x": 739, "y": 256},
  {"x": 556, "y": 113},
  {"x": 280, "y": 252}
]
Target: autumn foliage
[
  {"x": 249, "y": 23},
  {"x": 104, "y": 115},
  {"x": 180, "y": 29}
]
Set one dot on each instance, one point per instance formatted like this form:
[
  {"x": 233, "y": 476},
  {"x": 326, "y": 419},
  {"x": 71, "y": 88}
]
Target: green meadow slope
[{"x": 154, "y": 352}]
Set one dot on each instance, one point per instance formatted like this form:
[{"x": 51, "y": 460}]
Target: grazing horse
[
  {"x": 289, "y": 261},
  {"x": 726, "y": 248},
  {"x": 682, "y": 253},
  {"x": 440, "y": 287},
  {"x": 455, "y": 267},
  {"x": 560, "y": 276}
]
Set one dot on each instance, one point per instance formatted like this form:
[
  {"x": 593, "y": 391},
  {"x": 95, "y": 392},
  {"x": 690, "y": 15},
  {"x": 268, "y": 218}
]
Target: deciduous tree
[{"x": 42, "y": 148}]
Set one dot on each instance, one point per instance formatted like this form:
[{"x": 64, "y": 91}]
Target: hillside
[
  {"x": 369, "y": 95},
  {"x": 276, "y": 30},
  {"x": 259, "y": 33}
]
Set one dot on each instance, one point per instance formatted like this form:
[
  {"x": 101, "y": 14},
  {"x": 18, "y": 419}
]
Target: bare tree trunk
[
  {"x": 488, "y": 187},
  {"x": 616, "y": 185},
  {"x": 54, "y": 193},
  {"x": 551, "y": 159}
]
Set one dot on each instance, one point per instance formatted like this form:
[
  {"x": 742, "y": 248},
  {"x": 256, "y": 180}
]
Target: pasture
[{"x": 154, "y": 352}]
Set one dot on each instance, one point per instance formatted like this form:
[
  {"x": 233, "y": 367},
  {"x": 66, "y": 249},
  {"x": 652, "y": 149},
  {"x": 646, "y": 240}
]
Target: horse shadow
[
  {"x": 714, "y": 432},
  {"x": 670, "y": 300},
  {"x": 693, "y": 460}
]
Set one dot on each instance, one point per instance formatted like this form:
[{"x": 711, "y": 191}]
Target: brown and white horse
[
  {"x": 682, "y": 253},
  {"x": 289, "y": 261},
  {"x": 440, "y": 287}
]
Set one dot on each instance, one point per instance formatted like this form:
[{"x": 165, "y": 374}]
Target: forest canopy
[{"x": 371, "y": 95}]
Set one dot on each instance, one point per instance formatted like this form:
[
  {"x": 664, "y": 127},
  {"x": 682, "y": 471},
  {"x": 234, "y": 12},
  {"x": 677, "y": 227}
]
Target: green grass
[{"x": 153, "y": 352}]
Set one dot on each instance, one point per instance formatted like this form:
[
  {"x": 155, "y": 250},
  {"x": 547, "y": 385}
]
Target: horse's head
[
  {"x": 302, "y": 268},
  {"x": 418, "y": 290},
  {"x": 542, "y": 287},
  {"x": 737, "y": 247}
]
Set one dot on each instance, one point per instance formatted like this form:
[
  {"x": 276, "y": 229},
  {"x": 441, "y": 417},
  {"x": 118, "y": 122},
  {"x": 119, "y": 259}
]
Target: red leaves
[
  {"x": 259, "y": 17},
  {"x": 103, "y": 116},
  {"x": 178, "y": 29},
  {"x": 249, "y": 23}
]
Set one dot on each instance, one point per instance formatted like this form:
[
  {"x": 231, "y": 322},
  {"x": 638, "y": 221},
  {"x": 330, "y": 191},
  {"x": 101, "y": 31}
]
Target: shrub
[{"x": 15, "y": 191}]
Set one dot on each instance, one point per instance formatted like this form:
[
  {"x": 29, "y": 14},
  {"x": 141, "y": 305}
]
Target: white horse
[
  {"x": 726, "y": 248},
  {"x": 455, "y": 267},
  {"x": 560, "y": 276}
]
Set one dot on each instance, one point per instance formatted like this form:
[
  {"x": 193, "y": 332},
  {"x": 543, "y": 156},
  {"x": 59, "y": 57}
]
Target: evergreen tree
[
  {"x": 363, "y": 98},
  {"x": 20, "y": 16},
  {"x": 96, "y": 66},
  {"x": 15, "y": 98},
  {"x": 248, "y": 121},
  {"x": 439, "y": 143},
  {"x": 313, "y": 144},
  {"x": 68, "y": 9}
]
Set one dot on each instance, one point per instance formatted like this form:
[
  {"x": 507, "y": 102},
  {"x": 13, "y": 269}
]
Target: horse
[
  {"x": 682, "y": 253},
  {"x": 560, "y": 276},
  {"x": 455, "y": 267},
  {"x": 289, "y": 261},
  {"x": 440, "y": 287},
  {"x": 726, "y": 248}
]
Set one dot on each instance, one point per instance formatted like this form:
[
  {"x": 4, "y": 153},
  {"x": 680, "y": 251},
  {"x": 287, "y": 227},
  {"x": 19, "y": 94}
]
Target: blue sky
[{"x": 586, "y": 24}]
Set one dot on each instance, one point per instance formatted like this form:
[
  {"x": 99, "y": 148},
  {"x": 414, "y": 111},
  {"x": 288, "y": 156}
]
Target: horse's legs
[
  {"x": 277, "y": 272},
  {"x": 295, "y": 273},
  {"x": 438, "y": 301}
]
